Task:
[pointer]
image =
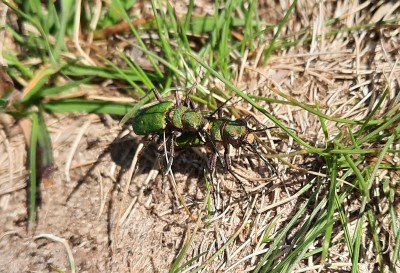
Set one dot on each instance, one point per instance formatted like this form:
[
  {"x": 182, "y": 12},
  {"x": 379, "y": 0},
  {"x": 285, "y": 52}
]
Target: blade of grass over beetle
[{"x": 253, "y": 103}]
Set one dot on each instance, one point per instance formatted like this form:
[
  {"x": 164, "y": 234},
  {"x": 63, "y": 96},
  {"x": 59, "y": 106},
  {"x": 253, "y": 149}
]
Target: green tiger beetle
[
  {"x": 236, "y": 133},
  {"x": 183, "y": 125},
  {"x": 175, "y": 119}
]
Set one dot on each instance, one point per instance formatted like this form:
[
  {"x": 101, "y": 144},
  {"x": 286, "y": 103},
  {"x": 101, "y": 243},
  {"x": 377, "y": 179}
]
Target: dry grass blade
[{"x": 65, "y": 243}]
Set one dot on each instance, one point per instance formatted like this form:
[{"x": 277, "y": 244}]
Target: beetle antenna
[
  {"x": 263, "y": 129},
  {"x": 220, "y": 107},
  {"x": 266, "y": 161}
]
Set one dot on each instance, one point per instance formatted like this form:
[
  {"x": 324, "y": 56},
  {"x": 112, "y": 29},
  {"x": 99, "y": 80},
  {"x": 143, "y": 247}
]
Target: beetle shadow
[{"x": 121, "y": 151}]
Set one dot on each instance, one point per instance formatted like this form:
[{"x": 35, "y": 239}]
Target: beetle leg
[
  {"x": 213, "y": 161},
  {"x": 266, "y": 161},
  {"x": 170, "y": 160},
  {"x": 247, "y": 118},
  {"x": 157, "y": 95},
  {"x": 188, "y": 102},
  {"x": 227, "y": 158},
  {"x": 177, "y": 99},
  {"x": 172, "y": 144},
  {"x": 215, "y": 153},
  {"x": 161, "y": 148}
]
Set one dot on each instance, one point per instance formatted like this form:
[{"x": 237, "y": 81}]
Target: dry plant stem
[
  {"x": 255, "y": 254},
  {"x": 11, "y": 232},
  {"x": 240, "y": 173},
  {"x": 242, "y": 66},
  {"x": 73, "y": 149},
  {"x": 128, "y": 211},
  {"x": 244, "y": 224},
  {"x": 16, "y": 187},
  {"x": 128, "y": 183},
  {"x": 10, "y": 158},
  {"x": 93, "y": 23},
  {"x": 319, "y": 268},
  {"x": 65, "y": 244},
  {"x": 173, "y": 182},
  {"x": 110, "y": 99},
  {"x": 102, "y": 197},
  {"x": 284, "y": 201},
  {"x": 2, "y": 30},
  {"x": 85, "y": 57}
]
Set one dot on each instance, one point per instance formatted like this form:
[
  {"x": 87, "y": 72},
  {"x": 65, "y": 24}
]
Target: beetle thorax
[{"x": 193, "y": 120}]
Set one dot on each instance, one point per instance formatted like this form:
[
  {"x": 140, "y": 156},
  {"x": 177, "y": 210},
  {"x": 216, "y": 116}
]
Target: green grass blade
[
  {"x": 79, "y": 70},
  {"x": 90, "y": 106},
  {"x": 360, "y": 181},
  {"x": 58, "y": 89},
  {"x": 372, "y": 113},
  {"x": 323, "y": 124},
  {"x": 3, "y": 104},
  {"x": 126, "y": 78},
  {"x": 248, "y": 41},
  {"x": 395, "y": 119},
  {"x": 44, "y": 144},
  {"x": 120, "y": 9},
  {"x": 332, "y": 168},
  {"x": 159, "y": 18},
  {"x": 344, "y": 223},
  {"x": 357, "y": 243},
  {"x": 283, "y": 233},
  {"x": 34, "y": 21},
  {"x": 319, "y": 114},
  {"x": 39, "y": 80},
  {"x": 68, "y": 9},
  {"x": 372, "y": 221},
  {"x": 140, "y": 72},
  {"x": 285, "y": 18},
  {"x": 33, "y": 167}
]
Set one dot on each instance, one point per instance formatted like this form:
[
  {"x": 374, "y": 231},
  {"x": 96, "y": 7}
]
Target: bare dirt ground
[{"x": 116, "y": 224}]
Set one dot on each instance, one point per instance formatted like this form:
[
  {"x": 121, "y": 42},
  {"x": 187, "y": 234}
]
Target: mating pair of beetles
[{"x": 182, "y": 124}]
